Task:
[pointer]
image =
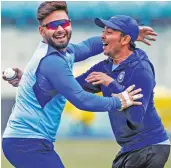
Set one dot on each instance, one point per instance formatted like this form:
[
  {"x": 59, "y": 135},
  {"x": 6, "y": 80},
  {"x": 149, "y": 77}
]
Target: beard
[
  {"x": 58, "y": 45},
  {"x": 113, "y": 53}
]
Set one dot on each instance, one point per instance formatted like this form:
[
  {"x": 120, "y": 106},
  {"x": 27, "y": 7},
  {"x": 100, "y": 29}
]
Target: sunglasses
[{"x": 54, "y": 24}]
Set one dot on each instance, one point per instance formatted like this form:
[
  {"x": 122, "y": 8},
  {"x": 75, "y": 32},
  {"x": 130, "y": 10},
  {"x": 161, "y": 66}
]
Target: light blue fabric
[
  {"x": 46, "y": 80},
  {"x": 167, "y": 142},
  {"x": 114, "y": 66}
]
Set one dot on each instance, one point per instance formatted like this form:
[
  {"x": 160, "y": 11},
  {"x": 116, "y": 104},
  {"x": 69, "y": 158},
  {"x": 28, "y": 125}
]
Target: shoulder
[
  {"x": 52, "y": 60},
  {"x": 100, "y": 65},
  {"x": 143, "y": 62},
  {"x": 145, "y": 66},
  {"x": 71, "y": 48}
]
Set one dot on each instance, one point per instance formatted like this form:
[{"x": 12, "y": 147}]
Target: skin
[
  {"x": 117, "y": 45},
  {"x": 117, "y": 48},
  {"x": 59, "y": 38}
]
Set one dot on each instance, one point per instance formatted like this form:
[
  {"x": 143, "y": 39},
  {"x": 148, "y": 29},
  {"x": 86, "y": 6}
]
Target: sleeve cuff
[{"x": 115, "y": 87}]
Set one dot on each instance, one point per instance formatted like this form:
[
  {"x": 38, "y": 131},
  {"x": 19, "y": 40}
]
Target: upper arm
[
  {"x": 60, "y": 76},
  {"x": 90, "y": 47},
  {"x": 144, "y": 79}
]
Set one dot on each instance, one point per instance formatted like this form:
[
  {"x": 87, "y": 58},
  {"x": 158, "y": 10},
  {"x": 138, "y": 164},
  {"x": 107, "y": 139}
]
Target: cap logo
[{"x": 121, "y": 76}]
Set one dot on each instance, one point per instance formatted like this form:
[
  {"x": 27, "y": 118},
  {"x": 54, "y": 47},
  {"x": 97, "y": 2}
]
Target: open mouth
[
  {"x": 60, "y": 37},
  {"x": 105, "y": 44}
]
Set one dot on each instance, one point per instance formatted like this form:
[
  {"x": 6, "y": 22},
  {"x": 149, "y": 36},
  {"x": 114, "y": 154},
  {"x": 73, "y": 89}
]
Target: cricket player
[
  {"x": 138, "y": 129},
  {"x": 44, "y": 87}
]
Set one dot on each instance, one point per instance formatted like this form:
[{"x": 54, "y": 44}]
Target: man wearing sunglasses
[{"x": 44, "y": 87}]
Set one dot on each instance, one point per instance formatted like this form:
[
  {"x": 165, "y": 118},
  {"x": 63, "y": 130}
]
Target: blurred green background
[{"x": 85, "y": 154}]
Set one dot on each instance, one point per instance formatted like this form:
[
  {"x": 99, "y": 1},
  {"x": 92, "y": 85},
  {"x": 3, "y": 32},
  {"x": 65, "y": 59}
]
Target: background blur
[{"x": 84, "y": 137}]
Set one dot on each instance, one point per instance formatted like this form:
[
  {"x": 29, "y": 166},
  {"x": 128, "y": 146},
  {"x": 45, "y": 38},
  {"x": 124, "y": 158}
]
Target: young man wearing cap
[{"x": 138, "y": 129}]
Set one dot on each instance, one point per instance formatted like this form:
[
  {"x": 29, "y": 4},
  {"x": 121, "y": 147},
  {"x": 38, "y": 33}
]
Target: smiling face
[
  {"x": 60, "y": 37},
  {"x": 112, "y": 42}
]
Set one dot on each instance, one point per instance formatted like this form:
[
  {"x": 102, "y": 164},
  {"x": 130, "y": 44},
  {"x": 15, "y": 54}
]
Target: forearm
[
  {"x": 66, "y": 85},
  {"x": 89, "y": 102}
]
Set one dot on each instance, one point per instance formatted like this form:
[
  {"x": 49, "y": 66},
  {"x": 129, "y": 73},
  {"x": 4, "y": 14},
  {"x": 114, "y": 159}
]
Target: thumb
[
  {"x": 16, "y": 69},
  {"x": 113, "y": 94}
]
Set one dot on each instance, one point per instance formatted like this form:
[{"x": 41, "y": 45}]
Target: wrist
[
  {"x": 138, "y": 38},
  {"x": 107, "y": 83}
]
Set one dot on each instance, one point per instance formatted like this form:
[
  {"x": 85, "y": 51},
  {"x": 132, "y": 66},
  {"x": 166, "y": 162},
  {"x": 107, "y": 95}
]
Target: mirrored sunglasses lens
[{"x": 54, "y": 25}]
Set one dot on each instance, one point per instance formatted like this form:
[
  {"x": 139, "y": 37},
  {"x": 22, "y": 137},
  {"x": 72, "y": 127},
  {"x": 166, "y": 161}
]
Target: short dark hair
[
  {"x": 132, "y": 45},
  {"x": 48, "y": 7}
]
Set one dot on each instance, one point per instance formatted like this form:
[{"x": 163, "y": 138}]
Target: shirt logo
[{"x": 121, "y": 77}]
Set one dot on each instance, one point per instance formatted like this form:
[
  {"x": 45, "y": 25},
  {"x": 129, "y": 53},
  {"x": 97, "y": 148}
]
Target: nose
[
  {"x": 60, "y": 28},
  {"x": 103, "y": 36}
]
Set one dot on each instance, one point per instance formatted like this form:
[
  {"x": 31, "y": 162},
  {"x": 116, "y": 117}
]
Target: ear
[
  {"x": 126, "y": 40},
  {"x": 41, "y": 31}
]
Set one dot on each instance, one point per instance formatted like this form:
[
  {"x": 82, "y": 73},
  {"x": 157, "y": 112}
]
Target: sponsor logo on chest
[{"x": 121, "y": 76}]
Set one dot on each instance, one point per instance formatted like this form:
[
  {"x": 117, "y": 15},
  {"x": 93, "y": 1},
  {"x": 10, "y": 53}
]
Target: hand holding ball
[{"x": 10, "y": 74}]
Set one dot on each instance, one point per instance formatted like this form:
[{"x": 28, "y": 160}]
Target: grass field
[{"x": 85, "y": 154}]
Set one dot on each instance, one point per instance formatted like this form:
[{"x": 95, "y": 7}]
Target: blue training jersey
[
  {"x": 46, "y": 83},
  {"x": 137, "y": 126}
]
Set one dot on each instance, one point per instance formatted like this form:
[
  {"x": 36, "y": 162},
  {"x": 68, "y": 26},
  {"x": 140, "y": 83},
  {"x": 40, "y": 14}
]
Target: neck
[
  {"x": 62, "y": 49},
  {"x": 120, "y": 57}
]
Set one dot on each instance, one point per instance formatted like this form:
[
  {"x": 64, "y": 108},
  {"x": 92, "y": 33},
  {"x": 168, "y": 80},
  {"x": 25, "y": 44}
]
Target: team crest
[{"x": 121, "y": 77}]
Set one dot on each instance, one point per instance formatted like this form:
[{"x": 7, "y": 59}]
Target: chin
[{"x": 106, "y": 53}]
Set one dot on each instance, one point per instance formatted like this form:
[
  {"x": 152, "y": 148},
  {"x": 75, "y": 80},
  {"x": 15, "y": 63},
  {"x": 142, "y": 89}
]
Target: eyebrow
[{"x": 108, "y": 28}]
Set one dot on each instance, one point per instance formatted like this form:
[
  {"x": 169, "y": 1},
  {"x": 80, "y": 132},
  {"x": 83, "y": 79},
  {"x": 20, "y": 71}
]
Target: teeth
[
  {"x": 105, "y": 44},
  {"x": 60, "y": 36}
]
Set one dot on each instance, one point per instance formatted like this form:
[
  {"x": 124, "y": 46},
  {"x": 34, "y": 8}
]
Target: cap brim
[{"x": 102, "y": 23}]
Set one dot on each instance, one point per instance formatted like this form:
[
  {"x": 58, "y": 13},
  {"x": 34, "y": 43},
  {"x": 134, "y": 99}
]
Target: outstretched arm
[
  {"x": 142, "y": 78},
  {"x": 88, "y": 48},
  {"x": 65, "y": 83}
]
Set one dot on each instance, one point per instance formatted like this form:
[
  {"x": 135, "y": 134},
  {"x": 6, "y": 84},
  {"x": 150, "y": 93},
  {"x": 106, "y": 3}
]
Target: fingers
[
  {"x": 146, "y": 28},
  {"x": 92, "y": 78},
  {"x": 146, "y": 42},
  {"x": 130, "y": 88},
  {"x": 149, "y": 37},
  {"x": 97, "y": 82},
  {"x": 137, "y": 96},
  {"x": 17, "y": 70},
  {"x": 94, "y": 73},
  {"x": 114, "y": 95},
  {"x": 135, "y": 92},
  {"x": 14, "y": 82},
  {"x": 137, "y": 103},
  {"x": 151, "y": 33},
  {"x": 4, "y": 78}
]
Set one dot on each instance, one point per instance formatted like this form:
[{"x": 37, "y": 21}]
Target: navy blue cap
[{"x": 123, "y": 23}]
